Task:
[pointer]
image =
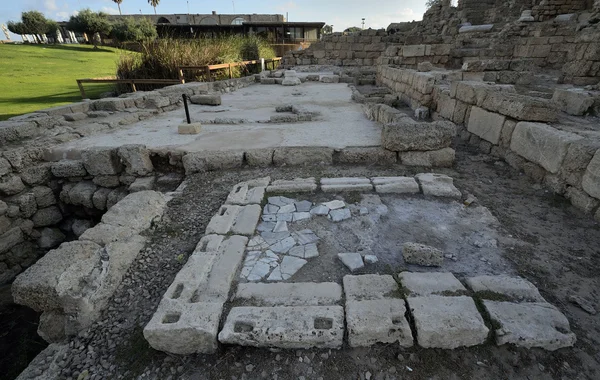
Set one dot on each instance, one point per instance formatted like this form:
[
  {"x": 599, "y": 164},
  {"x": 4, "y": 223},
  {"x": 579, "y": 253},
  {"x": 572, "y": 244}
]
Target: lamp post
[{"x": 363, "y": 23}]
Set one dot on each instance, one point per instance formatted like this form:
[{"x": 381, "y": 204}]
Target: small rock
[
  {"x": 249, "y": 368},
  {"x": 371, "y": 259},
  {"x": 353, "y": 261},
  {"x": 368, "y": 375},
  {"x": 583, "y": 304}
]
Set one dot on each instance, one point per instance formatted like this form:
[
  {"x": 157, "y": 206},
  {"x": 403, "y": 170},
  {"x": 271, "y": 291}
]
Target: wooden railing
[
  {"x": 131, "y": 82},
  {"x": 229, "y": 66}
]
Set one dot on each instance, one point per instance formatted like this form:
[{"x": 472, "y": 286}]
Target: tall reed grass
[{"x": 160, "y": 59}]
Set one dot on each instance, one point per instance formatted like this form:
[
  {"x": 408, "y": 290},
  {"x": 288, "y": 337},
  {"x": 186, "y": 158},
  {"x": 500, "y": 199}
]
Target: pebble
[
  {"x": 368, "y": 375},
  {"x": 249, "y": 368}
]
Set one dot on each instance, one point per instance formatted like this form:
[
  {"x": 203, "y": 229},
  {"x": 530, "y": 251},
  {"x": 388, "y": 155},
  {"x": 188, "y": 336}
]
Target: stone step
[
  {"x": 290, "y": 294},
  {"x": 295, "y": 327}
]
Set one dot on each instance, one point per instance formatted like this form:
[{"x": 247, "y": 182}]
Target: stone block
[
  {"x": 352, "y": 260},
  {"x": 509, "y": 288},
  {"x": 142, "y": 184},
  {"x": 530, "y": 325},
  {"x": 365, "y": 155},
  {"x": 100, "y": 198},
  {"x": 409, "y": 135},
  {"x": 396, "y": 185},
  {"x": 103, "y": 234},
  {"x": 109, "y": 104},
  {"x": 259, "y": 157},
  {"x": 11, "y": 184},
  {"x": 424, "y": 67},
  {"x": 290, "y": 294},
  {"x": 185, "y": 328},
  {"x": 542, "y": 144},
  {"x": 581, "y": 200},
  {"x": 207, "y": 100},
  {"x": 302, "y": 156},
  {"x": 573, "y": 101},
  {"x": 413, "y": 51},
  {"x": 246, "y": 220},
  {"x": 429, "y": 284},
  {"x": 44, "y": 196},
  {"x": 345, "y": 184},
  {"x": 377, "y": 321},
  {"x": 370, "y": 287},
  {"x": 47, "y": 217},
  {"x": 137, "y": 211},
  {"x": 11, "y": 238},
  {"x": 487, "y": 125},
  {"x": 438, "y": 185},
  {"x": 68, "y": 168},
  {"x": 82, "y": 193},
  {"x": 447, "y": 322},
  {"x": 442, "y": 158},
  {"x": 591, "y": 178},
  {"x": 520, "y": 107},
  {"x": 330, "y": 78},
  {"x": 36, "y": 175},
  {"x": 301, "y": 185},
  {"x": 221, "y": 223},
  {"x": 242, "y": 194},
  {"x": 200, "y": 162},
  {"x": 421, "y": 254},
  {"x": 101, "y": 161},
  {"x": 136, "y": 159},
  {"x": 293, "y": 327}
]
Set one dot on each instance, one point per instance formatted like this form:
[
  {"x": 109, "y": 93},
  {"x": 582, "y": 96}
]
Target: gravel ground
[{"x": 559, "y": 255}]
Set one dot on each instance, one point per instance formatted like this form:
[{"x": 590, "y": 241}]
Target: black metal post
[{"x": 187, "y": 111}]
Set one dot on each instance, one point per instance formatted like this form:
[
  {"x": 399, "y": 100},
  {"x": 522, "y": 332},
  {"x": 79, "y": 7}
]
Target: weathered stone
[
  {"x": 52, "y": 326},
  {"x": 47, "y": 217},
  {"x": 365, "y": 155},
  {"x": 519, "y": 107},
  {"x": 68, "y": 168},
  {"x": 345, "y": 184},
  {"x": 511, "y": 288},
  {"x": 36, "y": 175},
  {"x": 293, "y": 327},
  {"x": 212, "y": 160},
  {"x": 3, "y": 207},
  {"x": 410, "y": 135},
  {"x": 447, "y": 322},
  {"x": 109, "y": 104},
  {"x": 109, "y": 181},
  {"x": 103, "y": 234},
  {"x": 207, "y": 100},
  {"x": 581, "y": 200},
  {"x": 330, "y": 78},
  {"x": 11, "y": 238},
  {"x": 438, "y": 185},
  {"x": 27, "y": 204},
  {"x": 101, "y": 161},
  {"x": 433, "y": 158},
  {"x": 487, "y": 125},
  {"x": 302, "y": 156},
  {"x": 82, "y": 193},
  {"x": 530, "y": 325},
  {"x": 421, "y": 254},
  {"x": 542, "y": 144},
  {"x": 293, "y": 186},
  {"x": 353, "y": 261},
  {"x": 142, "y": 184},
  {"x": 573, "y": 101},
  {"x": 100, "y": 198},
  {"x": 339, "y": 215},
  {"x": 290, "y": 294},
  {"x": 50, "y": 238},
  {"x": 136, "y": 159},
  {"x": 189, "y": 129},
  {"x": 397, "y": 185},
  {"x": 425, "y": 66},
  {"x": 11, "y": 184},
  {"x": 428, "y": 284},
  {"x": 591, "y": 178},
  {"x": 138, "y": 211},
  {"x": 578, "y": 157},
  {"x": 242, "y": 194},
  {"x": 44, "y": 196},
  {"x": 259, "y": 157},
  {"x": 369, "y": 287}
]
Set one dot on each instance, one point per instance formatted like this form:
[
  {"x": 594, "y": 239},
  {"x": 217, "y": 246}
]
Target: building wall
[{"x": 206, "y": 19}]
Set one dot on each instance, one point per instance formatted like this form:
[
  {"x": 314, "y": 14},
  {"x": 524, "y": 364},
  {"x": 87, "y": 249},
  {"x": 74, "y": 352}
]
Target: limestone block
[
  {"x": 44, "y": 196},
  {"x": 530, "y": 325},
  {"x": 293, "y": 327},
  {"x": 11, "y": 184},
  {"x": 243, "y": 194},
  {"x": 345, "y": 184},
  {"x": 413, "y": 50},
  {"x": 352, "y": 260},
  {"x": 581, "y": 200},
  {"x": 221, "y": 223},
  {"x": 475, "y": 28},
  {"x": 421, "y": 254},
  {"x": 212, "y": 160},
  {"x": 579, "y": 155},
  {"x": 409, "y": 135},
  {"x": 447, "y": 322},
  {"x": 36, "y": 175},
  {"x": 36, "y": 287},
  {"x": 292, "y": 81},
  {"x": 259, "y": 157},
  {"x": 11, "y": 238},
  {"x": 52, "y": 326},
  {"x": 290, "y": 294},
  {"x": 137, "y": 211},
  {"x": 428, "y": 284},
  {"x": 396, "y": 185},
  {"x": 330, "y": 78},
  {"x": 109, "y": 104},
  {"x": 189, "y": 129},
  {"x": 101, "y": 161},
  {"x": 542, "y": 144},
  {"x": 184, "y": 328},
  {"x": 136, "y": 159},
  {"x": 429, "y": 159},
  {"x": 292, "y": 186},
  {"x": 377, "y": 321},
  {"x": 438, "y": 185},
  {"x": 103, "y": 234},
  {"x": 363, "y": 155},
  {"x": 47, "y": 216},
  {"x": 302, "y": 156},
  {"x": 246, "y": 220},
  {"x": 424, "y": 67},
  {"x": 207, "y": 100},
  {"x": 487, "y": 125},
  {"x": 573, "y": 101},
  {"x": 68, "y": 168},
  {"x": 591, "y": 178},
  {"x": 369, "y": 287},
  {"x": 510, "y": 288},
  {"x": 142, "y": 184},
  {"x": 519, "y": 107}
]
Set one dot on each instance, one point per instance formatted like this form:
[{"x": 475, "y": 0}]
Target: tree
[
  {"x": 131, "y": 29},
  {"x": 16, "y": 27},
  {"x": 52, "y": 29},
  {"x": 118, "y": 5},
  {"x": 154, "y": 3},
  {"x": 34, "y": 23},
  {"x": 90, "y": 23},
  {"x": 353, "y": 29},
  {"x": 327, "y": 29}
]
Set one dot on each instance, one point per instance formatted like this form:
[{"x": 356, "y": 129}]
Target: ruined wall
[{"x": 547, "y": 9}]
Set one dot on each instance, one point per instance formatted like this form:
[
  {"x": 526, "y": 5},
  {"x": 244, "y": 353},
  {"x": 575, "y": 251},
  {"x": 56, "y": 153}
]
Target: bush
[
  {"x": 162, "y": 58},
  {"x": 134, "y": 30}
]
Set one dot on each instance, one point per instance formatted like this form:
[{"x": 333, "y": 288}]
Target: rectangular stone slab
[
  {"x": 512, "y": 288},
  {"x": 447, "y": 322},
  {"x": 296, "y": 327},
  {"x": 397, "y": 185},
  {"x": 292, "y": 294},
  {"x": 369, "y": 287},
  {"x": 246, "y": 220},
  {"x": 426, "y": 284},
  {"x": 531, "y": 324},
  {"x": 377, "y": 321}
]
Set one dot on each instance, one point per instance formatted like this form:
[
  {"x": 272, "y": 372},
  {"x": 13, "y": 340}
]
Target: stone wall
[
  {"x": 547, "y": 9},
  {"x": 40, "y": 198}
]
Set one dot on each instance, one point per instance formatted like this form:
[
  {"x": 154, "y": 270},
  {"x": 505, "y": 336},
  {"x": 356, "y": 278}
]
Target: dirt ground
[{"x": 558, "y": 250}]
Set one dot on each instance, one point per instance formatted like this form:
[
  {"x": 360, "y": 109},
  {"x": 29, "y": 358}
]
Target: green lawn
[{"x": 34, "y": 77}]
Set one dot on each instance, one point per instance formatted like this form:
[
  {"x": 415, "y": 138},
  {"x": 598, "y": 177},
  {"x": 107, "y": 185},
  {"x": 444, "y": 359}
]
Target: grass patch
[{"x": 33, "y": 77}]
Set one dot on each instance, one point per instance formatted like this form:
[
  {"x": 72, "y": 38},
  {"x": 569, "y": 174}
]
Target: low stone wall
[{"x": 550, "y": 8}]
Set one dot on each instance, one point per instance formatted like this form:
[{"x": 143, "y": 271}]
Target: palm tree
[
  {"x": 119, "y": 5},
  {"x": 154, "y": 3}
]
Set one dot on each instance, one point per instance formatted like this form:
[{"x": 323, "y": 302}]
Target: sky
[{"x": 339, "y": 13}]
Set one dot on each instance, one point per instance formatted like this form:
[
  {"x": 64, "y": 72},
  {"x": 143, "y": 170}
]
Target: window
[{"x": 238, "y": 21}]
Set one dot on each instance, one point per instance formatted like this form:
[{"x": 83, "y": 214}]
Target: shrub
[
  {"x": 135, "y": 30},
  {"x": 162, "y": 58}
]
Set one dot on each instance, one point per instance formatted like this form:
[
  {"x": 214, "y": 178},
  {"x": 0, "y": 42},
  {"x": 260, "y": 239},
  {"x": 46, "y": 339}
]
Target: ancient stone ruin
[{"x": 336, "y": 210}]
